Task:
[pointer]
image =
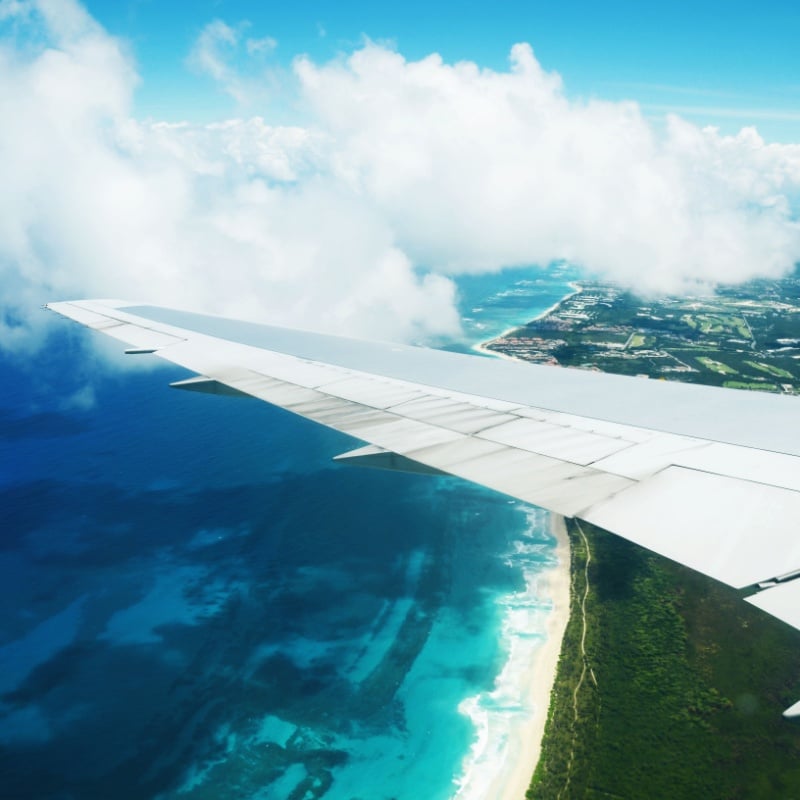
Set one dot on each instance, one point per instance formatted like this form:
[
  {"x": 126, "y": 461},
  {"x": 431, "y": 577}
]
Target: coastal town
[{"x": 743, "y": 337}]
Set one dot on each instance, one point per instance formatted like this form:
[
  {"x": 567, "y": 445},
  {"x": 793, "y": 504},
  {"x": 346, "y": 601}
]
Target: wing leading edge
[{"x": 707, "y": 477}]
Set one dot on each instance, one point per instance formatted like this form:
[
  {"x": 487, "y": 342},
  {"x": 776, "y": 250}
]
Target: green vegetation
[
  {"x": 572, "y": 719},
  {"x": 639, "y": 340},
  {"x": 716, "y": 366},
  {"x": 771, "y": 369},
  {"x": 727, "y": 324},
  {"x": 690, "y": 683},
  {"x": 758, "y": 387},
  {"x": 750, "y": 331}
]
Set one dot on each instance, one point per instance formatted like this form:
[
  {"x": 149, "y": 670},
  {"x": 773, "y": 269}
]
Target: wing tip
[{"x": 793, "y": 711}]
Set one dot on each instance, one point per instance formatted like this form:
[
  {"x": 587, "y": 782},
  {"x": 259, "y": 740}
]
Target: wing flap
[
  {"x": 650, "y": 456},
  {"x": 558, "y": 441},
  {"x": 736, "y": 531},
  {"x": 746, "y": 463},
  {"x": 459, "y": 415}
]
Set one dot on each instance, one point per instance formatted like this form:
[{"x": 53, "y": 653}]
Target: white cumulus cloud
[
  {"x": 239, "y": 217},
  {"x": 477, "y": 169},
  {"x": 401, "y": 175}
]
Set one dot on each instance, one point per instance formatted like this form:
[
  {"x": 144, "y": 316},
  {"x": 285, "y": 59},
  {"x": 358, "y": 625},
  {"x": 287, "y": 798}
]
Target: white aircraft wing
[{"x": 708, "y": 477}]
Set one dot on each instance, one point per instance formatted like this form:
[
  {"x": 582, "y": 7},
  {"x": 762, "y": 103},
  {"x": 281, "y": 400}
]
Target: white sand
[
  {"x": 481, "y": 346},
  {"x": 525, "y": 740}
]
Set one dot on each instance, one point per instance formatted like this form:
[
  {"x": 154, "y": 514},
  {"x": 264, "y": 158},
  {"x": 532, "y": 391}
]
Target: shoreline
[
  {"x": 509, "y": 738},
  {"x": 525, "y": 740},
  {"x": 480, "y": 347}
]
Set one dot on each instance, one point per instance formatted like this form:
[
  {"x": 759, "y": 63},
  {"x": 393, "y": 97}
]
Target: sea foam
[{"x": 495, "y": 714}]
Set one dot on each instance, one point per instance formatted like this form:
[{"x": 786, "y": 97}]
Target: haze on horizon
[{"x": 342, "y": 182}]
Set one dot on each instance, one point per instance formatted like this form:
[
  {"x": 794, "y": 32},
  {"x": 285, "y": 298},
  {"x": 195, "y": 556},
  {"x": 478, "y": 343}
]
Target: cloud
[
  {"x": 10, "y": 9},
  {"x": 403, "y": 174},
  {"x": 234, "y": 61},
  {"x": 476, "y": 169},
  {"x": 211, "y": 55},
  {"x": 266, "y": 44},
  {"x": 238, "y": 217}
]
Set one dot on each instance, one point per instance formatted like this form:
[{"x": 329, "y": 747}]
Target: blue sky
[{"x": 723, "y": 63}]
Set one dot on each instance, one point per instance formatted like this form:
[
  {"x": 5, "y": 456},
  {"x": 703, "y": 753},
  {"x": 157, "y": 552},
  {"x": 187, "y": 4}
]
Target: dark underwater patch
[{"x": 41, "y": 425}]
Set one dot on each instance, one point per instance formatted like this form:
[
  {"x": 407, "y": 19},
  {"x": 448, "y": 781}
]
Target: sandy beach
[
  {"x": 508, "y": 745},
  {"x": 525, "y": 740}
]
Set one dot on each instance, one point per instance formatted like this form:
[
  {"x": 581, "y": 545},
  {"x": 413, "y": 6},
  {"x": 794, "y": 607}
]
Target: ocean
[{"x": 198, "y": 603}]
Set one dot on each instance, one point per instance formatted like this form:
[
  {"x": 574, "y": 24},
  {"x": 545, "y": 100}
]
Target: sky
[
  {"x": 339, "y": 165},
  {"x": 720, "y": 62}
]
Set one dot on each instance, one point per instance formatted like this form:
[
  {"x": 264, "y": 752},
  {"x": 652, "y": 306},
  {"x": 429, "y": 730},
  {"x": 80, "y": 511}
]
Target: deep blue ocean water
[{"x": 197, "y": 603}]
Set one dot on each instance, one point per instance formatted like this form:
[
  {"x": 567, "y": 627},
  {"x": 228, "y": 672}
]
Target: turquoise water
[
  {"x": 491, "y": 304},
  {"x": 197, "y": 603}
]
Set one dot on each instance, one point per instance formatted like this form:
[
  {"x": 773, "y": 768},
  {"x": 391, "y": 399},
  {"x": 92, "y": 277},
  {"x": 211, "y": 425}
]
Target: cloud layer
[
  {"x": 475, "y": 169},
  {"x": 402, "y": 174}
]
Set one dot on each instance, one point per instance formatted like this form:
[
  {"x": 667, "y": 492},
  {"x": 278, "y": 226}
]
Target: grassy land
[
  {"x": 716, "y": 366},
  {"x": 771, "y": 370},
  {"x": 690, "y": 685},
  {"x": 639, "y": 340}
]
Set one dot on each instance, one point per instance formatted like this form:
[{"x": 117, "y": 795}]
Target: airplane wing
[{"x": 705, "y": 476}]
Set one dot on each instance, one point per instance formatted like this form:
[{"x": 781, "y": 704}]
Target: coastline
[
  {"x": 520, "y": 745},
  {"x": 481, "y": 346},
  {"x": 511, "y": 719},
  {"x": 525, "y": 740}
]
